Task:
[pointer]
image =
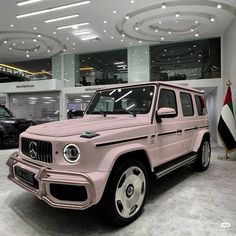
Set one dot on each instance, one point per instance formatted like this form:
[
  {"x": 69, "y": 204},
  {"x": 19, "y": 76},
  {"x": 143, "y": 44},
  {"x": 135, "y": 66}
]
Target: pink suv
[{"x": 127, "y": 134}]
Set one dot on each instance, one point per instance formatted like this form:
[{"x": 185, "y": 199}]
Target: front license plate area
[{"x": 26, "y": 176}]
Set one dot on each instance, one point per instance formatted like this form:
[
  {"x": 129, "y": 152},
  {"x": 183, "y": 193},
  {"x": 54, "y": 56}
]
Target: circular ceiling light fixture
[
  {"x": 163, "y": 6},
  {"x": 127, "y": 17},
  {"x": 196, "y": 35},
  {"x": 212, "y": 19},
  {"x": 177, "y": 14},
  {"x": 162, "y": 38},
  {"x": 219, "y": 6}
]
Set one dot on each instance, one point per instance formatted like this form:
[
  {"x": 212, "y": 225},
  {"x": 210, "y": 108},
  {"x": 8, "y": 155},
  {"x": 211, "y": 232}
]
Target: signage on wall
[{"x": 25, "y": 86}]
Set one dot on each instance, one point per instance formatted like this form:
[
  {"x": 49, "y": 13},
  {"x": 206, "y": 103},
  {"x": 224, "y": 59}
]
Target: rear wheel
[
  {"x": 126, "y": 192},
  {"x": 204, "y": 155}
]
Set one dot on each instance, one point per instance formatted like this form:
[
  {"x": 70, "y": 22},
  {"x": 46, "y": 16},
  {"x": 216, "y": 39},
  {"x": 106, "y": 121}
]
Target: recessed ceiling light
[
  {"x": 122, "y": 40},
  {"x": 112, "y": 37},
  {"x": 140, "y": 41},
  {"x": 19, "y": 4},
  {"x": 39, "y": 35},
  {"x": 61, "y": 18},
  {"x": 82, "y": 33},
  {"x": 14, "y": 44},
  {"x": 119, "y": 62},
  {"x": 127, "y": 17},
  {"x": 212, "y": 19},
  {"x": 12, "y": 25},
  {"x": 75, "y": 26},
  {"x": 132, "y": 1},
  {"x": 89, "y": 38},
  {"x": 10, "y": 48},
  {"x": 67, "y": 38},
  {"x": 104, "y": 21},
  {"x": 196, "y": 22},
  {"x": 219, "y": 6},
  {"x": 194, "y": 45},
  {"x": 123, "y": 35},
  {"x": 191, "y": 29},
  {"x": 48, "y": 50},
  {"x": 162, "y": 38},
  {"x": 114, "y": 12},
  {"x": 5, "y": 41},
  {"x": 176, "y": 21},
  {"x": 177, "y": 14},
  {"x": 196, "y": 35},
  {"x": 35, "y": 40},
  {"x": 156, "y": 30},
  {"x": 163, "y": 6},
  {"x": 53, "y": 9},
  {"x": 169, "y": 32},
  {"x": 23, "y": 42},
  {"x": 104, "y": 31},
  {"x": 27, "y": 55},
  {"x": 73, "y": 49},
  {"x": 136, "y": 28},
  {"x": 130, "y": 43},
  {"x": 35, "y": 28},
  {"x": 159, "y": 21},
  {"x": 73, "y": 44},
  {"x": 54, "y": 32}
]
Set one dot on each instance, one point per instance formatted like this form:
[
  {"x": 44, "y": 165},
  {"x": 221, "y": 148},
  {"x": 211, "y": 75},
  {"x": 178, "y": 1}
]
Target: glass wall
[
  {"x": 187, "y": 60},
  {"x": 103, "y": 68},
  {"x": 26, "y": 71},
  {"x": 39, "y": 107}
]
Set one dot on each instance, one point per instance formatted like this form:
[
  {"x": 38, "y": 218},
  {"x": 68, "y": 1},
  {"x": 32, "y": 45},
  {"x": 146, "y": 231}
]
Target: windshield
[
  {"x": 135, "y": 100},
  {"x": 4, "y": 113}
]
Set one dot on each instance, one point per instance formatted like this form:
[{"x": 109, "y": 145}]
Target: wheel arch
[
  {"x": 139, "y": 154},
  {"x": 198, "y": 141}
]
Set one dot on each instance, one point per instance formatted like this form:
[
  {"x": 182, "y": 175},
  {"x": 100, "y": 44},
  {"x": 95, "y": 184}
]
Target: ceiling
[{"x": 113, "y": 24}]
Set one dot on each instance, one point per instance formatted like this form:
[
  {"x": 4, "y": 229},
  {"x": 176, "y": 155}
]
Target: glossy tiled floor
[{"x": 183, "y": 203}]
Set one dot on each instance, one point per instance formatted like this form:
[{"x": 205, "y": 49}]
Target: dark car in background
[{"x": 11, "y": 127}]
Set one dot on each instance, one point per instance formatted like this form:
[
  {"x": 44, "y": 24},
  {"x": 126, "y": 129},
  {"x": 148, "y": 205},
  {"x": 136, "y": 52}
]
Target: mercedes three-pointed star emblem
[{"x": 33, "y": 149}]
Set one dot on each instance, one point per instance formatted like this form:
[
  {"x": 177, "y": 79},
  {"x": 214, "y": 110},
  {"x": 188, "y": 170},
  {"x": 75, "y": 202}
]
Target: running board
[{"x": 174, "y": 164}]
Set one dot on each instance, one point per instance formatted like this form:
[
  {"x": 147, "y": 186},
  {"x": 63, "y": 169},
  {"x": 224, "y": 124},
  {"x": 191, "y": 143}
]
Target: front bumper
[{"x": 44, "y": 178}]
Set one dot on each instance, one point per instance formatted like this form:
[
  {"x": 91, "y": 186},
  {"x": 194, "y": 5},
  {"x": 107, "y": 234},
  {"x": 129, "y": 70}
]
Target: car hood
[{"x": 77, "y": 126}]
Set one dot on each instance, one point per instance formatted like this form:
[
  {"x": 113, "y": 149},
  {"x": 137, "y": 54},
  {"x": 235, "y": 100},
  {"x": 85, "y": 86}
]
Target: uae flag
[{"x": 227, "y": 125}]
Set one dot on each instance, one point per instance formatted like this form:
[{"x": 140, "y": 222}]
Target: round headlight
[{"x": 71, "y": 153}]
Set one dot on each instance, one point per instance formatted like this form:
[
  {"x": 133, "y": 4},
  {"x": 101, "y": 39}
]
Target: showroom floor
[{"x": 183, "y": 203}]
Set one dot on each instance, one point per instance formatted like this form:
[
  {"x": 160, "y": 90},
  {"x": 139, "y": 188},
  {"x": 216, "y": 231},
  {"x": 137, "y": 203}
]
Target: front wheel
[
  {"x": 204, "y": 155},
  {"x": 126, "y": 192}
]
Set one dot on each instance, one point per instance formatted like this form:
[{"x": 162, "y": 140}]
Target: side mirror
[{"x": 165, "y": 112}]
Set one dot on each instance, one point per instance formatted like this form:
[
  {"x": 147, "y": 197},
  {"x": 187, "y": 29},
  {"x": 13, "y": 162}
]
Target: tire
[
  {"x": 126, "y": 192},
  {"x": 203, "y": 157}
]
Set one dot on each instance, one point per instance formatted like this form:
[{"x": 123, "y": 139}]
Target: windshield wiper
[{"x": 99, "y": 112}]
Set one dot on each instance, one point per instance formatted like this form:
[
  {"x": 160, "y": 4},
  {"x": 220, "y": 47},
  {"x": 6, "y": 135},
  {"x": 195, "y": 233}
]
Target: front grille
[{"x": 37, "y": 150}]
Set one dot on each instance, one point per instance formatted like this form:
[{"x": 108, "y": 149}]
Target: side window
[
  {"x": 167, "y": 98},
  {"x": 201, "y": 107},
  {"x": 187, "y": 104}
]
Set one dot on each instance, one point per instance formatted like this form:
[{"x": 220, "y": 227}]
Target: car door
[{"x": 169, "y": 143}]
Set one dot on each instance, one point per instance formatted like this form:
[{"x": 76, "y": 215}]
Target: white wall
[
  {"x": 211, "y": 102},
  {"x": 229, "y": 58}
]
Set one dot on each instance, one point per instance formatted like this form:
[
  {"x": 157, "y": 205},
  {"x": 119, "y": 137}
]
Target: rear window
[
  {"x": 201, "y": 107},
  {"x": 187, "y": 104}
]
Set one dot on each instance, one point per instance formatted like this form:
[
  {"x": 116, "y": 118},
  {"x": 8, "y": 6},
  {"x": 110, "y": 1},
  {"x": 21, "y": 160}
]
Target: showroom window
[
  {"x": 104, "y": 68},
  {"x": 39, "y": 107},
  {"x": 186, "y": 60},
  {"x": 26, "y": 71}
]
